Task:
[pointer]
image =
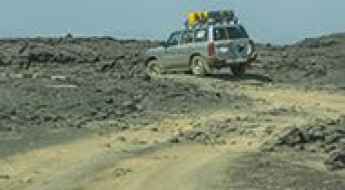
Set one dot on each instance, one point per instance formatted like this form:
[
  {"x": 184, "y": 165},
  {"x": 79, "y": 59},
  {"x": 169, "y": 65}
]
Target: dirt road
[{"x": 166, "y": 154}]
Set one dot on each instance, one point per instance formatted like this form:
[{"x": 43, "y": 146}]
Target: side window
[
  {"x": 200, "y": 36},
  {"x": 187, "y": 37},
  {"x": 220, "y": 34},
  {"x": 237, "y": 32},
  {"x": 174, "y": 39}
]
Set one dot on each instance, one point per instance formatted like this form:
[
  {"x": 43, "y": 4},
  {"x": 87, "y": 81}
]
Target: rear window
[
  {"x": 227, "y": 33},
  {"x": 200, "y": 35}
]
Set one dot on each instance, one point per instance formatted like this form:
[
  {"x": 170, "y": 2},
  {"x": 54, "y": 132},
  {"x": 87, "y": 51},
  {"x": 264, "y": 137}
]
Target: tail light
[
  {"x": 211, "y": 49},
  {"x": 252, "y": 48}
]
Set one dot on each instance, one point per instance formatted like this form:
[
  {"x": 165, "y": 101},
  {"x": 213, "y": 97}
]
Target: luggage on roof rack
[{"x": 195, "y": 19}]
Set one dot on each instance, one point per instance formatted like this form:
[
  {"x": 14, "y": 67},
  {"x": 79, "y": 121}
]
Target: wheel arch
[
  {"x": 147, "y": 61},
  {"x": 192, "y": 57}
]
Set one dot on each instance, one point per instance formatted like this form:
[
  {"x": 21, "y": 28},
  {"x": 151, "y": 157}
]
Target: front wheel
[
  {"x": 153, "y": 69},
  {"x": 238, "y": 70},
  {"x": 199, "y": 66}
]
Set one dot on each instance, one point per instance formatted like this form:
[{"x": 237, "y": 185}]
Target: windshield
[{"x": 227, "y": 33}]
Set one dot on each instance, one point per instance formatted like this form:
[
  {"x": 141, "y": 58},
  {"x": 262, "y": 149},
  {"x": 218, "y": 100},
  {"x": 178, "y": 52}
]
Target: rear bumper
[{"x": 216, "y": 62}]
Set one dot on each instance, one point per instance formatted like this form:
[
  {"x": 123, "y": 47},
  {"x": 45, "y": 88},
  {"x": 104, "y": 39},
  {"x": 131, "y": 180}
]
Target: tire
[
  {"x": 153, "y": 69},
  {"x": 238, "y": 70},
  {"x": 199, "y": 66}
]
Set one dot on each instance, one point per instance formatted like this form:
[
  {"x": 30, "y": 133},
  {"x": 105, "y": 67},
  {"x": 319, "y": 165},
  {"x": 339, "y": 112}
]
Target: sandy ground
[{"x": 145, "y": 158}]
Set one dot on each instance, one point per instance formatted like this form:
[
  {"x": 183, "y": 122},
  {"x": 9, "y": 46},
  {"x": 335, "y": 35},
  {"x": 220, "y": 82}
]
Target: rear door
[
  {"x": 231, "y": 42},
  {"x": 200, "y": 41}
]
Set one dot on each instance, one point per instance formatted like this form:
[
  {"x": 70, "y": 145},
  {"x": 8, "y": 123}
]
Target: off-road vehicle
[{"x": 202, "y": 49}]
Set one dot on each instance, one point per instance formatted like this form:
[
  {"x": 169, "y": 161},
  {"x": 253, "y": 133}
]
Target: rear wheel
[
  {"x": 238, "y": 70},
  {"x": 199, "y": 66},
  {"x": 153, "y": 69}
]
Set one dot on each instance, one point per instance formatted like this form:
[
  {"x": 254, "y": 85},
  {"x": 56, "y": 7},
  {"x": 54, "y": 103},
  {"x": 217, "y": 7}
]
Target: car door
[
  {"x": 185, "y": 50},
  {"x": 170, "y": 58},
  {"x": 200, "y": 41},
  {"x": 231, "y": 42}
]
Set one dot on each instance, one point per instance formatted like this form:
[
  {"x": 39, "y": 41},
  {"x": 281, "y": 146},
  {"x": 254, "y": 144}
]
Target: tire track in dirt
[{"x": 196, "y": 167}]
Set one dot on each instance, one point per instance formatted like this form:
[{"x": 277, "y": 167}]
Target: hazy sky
[{"x": 276, "y": 21}]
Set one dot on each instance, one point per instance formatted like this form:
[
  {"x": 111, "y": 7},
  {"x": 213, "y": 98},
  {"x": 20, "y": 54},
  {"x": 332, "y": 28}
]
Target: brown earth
[{"x": 79, "y": 114}]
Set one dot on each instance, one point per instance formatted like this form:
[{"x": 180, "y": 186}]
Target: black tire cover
[{"x": 240, "y": 49}]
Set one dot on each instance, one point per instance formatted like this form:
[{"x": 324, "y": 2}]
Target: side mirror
[{"x": 164, "y": 44}]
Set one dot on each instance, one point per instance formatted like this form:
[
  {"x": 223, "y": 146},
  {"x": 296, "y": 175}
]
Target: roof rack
[
  {"x": 203, "y": 25},
  {"x": 203, "y": 19}
]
